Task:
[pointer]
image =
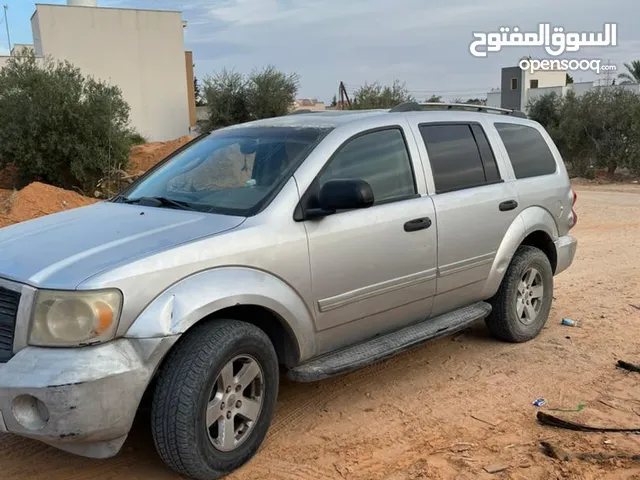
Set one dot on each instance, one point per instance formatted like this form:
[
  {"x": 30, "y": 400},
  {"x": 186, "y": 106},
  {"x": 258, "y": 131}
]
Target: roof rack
[{"x": 417, "y": 107}]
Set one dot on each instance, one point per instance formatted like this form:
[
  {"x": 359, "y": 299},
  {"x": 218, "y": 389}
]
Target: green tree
[
  {"x": 334, "y": 101},
  {"x": 568, "y": 79},
  {"x": 375, "y": 95},
  {"x": 434, "y": 99},
  {"x": 235, "y": 98},
  {"x": 545, "y": 110},
  {"x": 60, "y": 127},
  {"x": 597, "y": 130},
  {"x": 612, "y": 127},
  {"x": 633, "y": 72},
  {"x": 271, "y": 93},
  {"x": 226, "y": 94}
]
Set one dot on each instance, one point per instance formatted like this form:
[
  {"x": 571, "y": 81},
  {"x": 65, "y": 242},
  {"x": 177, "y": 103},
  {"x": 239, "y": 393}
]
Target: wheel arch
[
  {"x": 535, "y": 227},
  {"x": 240, "y": 293}
]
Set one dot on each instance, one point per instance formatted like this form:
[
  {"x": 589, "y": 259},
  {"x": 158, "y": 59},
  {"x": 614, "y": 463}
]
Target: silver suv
[{"x": 311, "y": 244}]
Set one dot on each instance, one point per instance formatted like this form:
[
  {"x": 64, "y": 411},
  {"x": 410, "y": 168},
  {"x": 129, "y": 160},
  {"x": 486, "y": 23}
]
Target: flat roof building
[{"x": 140, "y": 51}]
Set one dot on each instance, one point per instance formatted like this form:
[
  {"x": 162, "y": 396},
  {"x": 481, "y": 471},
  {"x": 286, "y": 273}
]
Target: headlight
[{"x": 63, "y": 319}]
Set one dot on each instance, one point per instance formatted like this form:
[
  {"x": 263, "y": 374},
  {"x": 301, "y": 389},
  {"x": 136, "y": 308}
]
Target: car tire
[
  {"x": 521, "y": 306},
  {"x": 214, "y": 399}
]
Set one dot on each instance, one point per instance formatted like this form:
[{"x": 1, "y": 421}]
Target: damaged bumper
[
  {"x": 566, "y": 251},
  {"x": 81, "y": 400}
]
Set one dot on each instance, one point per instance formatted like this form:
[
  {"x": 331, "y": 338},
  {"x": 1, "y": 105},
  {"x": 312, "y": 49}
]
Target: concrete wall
[
  {"x": 21, "y": 48},
  {"x": 4, "y": 60},
  {"x": 202, "y": 113},
  {"x": 191, "y": 89},
  {"x": 580, "y": 87},
  {"x": 511, "y": 98},
  {"x": 494, "y": 99},
  {"x": 633, "y": 87},
  {"x": 141, "y": 51},
  {"x": 554, "y": 78},
  {"x": 534, "y": 93}
]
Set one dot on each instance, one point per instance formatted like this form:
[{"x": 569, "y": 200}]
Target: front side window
[
  {"x": 381, "y": 159},
  {"x": 230, "y": 171}
]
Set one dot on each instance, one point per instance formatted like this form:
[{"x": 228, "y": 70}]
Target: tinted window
[
  {"x": 381, "y": 159},
  {"x": 231, "y": 171},
  {"x": 528, "y": 151},
  {"x": 454, "y": 156},
  {"x": 490, "y": 167}
]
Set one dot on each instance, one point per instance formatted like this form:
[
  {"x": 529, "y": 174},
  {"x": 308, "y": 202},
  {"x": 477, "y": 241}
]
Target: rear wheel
[
  {"x": 521, "y": 306},
  {"x": 214, "y": 399}
]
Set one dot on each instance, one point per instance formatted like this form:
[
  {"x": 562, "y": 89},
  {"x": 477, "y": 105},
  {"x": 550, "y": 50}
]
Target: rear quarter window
[{"x": 528, "y": 151}]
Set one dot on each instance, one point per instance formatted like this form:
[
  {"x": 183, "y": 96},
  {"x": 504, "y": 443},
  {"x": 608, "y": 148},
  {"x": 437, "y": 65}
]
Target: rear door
[
  {"x": 474, "y": 207},
  {"x": 541, "y": 176}
]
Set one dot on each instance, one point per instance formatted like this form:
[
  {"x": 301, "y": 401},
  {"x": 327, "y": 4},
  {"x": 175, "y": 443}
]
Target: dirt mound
[
  {"x": 38, "y": 199},
  {"x": 35, "y": 200},
  {"x": 143, "y": 157}
]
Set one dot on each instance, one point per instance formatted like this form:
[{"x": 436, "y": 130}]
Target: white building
[
  {"x": 141, "y": 51},
  {"x": 518, "y": 87}
]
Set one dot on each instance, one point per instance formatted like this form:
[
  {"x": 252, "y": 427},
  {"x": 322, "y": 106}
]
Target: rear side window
[
  {"x": 527, "y": 149},
  {"x": 491, "y": 172},
  {"x": 460, "y": 156}
]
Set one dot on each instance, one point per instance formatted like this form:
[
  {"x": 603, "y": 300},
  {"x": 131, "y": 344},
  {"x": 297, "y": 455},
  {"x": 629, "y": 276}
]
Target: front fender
[
  {"x": 530, "y": 220},
  {"x": 190, "y": 300}
]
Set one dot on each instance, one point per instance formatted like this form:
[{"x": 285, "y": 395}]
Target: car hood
[{"x": 60, "y": 251}]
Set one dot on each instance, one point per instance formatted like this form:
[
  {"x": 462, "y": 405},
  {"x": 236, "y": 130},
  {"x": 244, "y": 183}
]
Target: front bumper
[
  {"x": 565, "y": 251},
  {"x": 81, "y": 400}
]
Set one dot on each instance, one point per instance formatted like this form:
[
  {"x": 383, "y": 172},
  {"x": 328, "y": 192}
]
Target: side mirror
[{"x": 342, "y": 195}]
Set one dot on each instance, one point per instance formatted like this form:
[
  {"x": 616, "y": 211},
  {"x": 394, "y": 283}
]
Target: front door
[{"x": 371, "y": 267}]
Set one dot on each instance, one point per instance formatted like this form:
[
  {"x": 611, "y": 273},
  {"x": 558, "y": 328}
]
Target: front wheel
[
  {"x": 215, "y": 398},
  {"x": 521, "y": 306}
]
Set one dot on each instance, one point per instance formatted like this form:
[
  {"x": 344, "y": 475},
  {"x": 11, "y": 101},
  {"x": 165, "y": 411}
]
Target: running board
[{"x": 379, "y": 348}]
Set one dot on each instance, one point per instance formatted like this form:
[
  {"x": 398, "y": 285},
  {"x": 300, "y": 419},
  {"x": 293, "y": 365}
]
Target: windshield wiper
[{"x": 157, "y": 202}]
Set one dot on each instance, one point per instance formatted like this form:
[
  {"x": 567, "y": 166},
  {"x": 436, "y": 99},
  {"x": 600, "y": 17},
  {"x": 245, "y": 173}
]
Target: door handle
[
  {"x": 508, "y": 205},
  {"x": 417, "y": 224}
]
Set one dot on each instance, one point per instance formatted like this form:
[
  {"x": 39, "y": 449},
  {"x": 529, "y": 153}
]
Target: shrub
[
  {"x": 137, "y": 139},
  {"x": 375, "y": 95},
  {"x": 58, "y": 126},
  {"x": 597, "y": 130},
  {"x": 235, "y": 98}
]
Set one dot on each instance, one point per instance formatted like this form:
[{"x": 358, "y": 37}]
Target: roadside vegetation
[
  {"x": 65, "y": 129},
  {"x": 232, "y": 97},
  {"x": 598, "y": 130},
  {"x": 60, "y": 127}
]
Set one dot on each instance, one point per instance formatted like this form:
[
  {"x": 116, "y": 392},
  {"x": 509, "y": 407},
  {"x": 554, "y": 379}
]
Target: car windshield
[{"x": 233, "y": 171}]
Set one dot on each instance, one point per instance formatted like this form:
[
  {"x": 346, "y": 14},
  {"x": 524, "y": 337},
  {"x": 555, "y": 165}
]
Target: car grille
[{"x": 9, "y": 301}]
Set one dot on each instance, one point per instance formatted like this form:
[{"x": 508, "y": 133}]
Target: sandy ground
[{"x": 452, "y": 407}]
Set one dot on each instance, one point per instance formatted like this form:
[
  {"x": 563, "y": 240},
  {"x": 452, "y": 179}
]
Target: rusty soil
[{"x": 453, "y": 408}]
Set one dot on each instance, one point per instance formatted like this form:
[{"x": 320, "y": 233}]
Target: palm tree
[{"x": 634, "y": 72}]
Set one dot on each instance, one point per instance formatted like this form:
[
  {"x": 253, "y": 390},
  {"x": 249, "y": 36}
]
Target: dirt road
[{"x": 454, "y": 406}]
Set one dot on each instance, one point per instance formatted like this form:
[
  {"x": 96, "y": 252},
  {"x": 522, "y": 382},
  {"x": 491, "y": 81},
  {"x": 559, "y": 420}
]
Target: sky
[{"x": 423, "y": 43}]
